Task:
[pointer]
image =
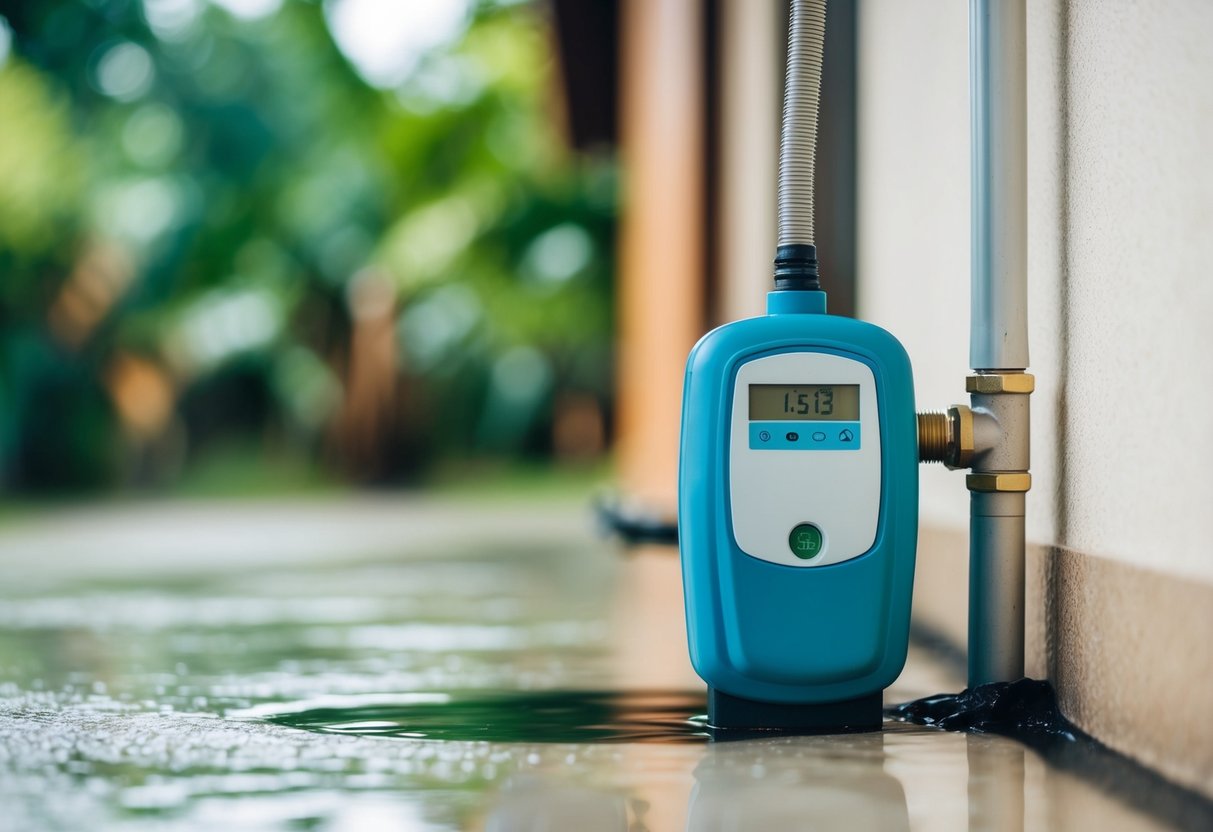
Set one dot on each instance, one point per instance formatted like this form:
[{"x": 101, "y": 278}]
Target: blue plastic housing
[{"x": 776, "y": 633}]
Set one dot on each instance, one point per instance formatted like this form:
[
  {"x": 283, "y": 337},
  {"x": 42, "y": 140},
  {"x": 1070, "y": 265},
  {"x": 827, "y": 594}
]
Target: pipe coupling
[
  {"x": 1000, "y": 409},
  {"x": 946, "y": 437}
]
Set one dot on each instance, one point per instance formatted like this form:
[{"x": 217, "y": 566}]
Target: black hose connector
[{"x": 796, "y": 268}]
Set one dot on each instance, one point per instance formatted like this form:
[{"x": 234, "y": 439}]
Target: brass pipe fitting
[{"x": 946, "y": 437}]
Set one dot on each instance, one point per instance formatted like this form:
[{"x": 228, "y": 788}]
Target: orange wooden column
[{"x": 662, "y": 236}]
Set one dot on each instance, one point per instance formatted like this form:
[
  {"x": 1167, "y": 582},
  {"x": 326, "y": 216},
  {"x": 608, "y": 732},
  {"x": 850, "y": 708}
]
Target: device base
[{"x": 734, "y": 715}]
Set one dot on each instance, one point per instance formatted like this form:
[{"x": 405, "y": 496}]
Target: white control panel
[{"x": 804, "y": 475}]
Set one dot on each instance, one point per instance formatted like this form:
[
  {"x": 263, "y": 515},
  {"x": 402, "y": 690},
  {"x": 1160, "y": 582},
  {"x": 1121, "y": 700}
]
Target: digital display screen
[{"x": 804, "y": 402}]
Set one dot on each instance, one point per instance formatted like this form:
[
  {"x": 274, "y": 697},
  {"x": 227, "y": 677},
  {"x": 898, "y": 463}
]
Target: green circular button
[{"x": 805, "y": 541}]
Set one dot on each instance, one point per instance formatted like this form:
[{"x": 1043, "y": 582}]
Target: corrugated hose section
[{"x": 798, "y": 138}]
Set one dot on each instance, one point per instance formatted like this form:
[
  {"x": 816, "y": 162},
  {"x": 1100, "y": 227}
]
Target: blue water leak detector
[{"x": 798, "y": 483}]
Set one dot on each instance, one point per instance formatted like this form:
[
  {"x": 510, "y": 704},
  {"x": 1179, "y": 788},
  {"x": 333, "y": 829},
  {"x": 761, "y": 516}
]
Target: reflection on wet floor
[
  {"x": 542, "y": 716},
  {"x": 808, "y": 783},
  {"x": 405, "y": 669}
]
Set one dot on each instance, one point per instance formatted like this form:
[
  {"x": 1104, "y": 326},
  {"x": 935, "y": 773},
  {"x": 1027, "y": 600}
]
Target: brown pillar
[{"x": 662, "y": 240}]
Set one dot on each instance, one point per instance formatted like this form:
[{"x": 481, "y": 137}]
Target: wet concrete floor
[{"x": 409, "y": 663}]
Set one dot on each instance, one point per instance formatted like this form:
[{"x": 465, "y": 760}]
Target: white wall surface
[{"x": 1120, "y": 191}]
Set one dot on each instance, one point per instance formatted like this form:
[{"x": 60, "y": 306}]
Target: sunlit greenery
[{"x": 215, "y": 234}]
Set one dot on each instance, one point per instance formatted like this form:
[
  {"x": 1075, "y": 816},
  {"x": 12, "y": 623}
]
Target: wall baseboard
[{"x": 1129, "y": 650}]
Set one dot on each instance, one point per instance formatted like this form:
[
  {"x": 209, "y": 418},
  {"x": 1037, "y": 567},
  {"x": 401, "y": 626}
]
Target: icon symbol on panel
[
  {"x": 793, "y": 436},
  {"x": 846, "y": 436},
  {"x": 764, "y": 436},
  {"x": 819, "y": 436},
  {"x": 805, "y": 541}
]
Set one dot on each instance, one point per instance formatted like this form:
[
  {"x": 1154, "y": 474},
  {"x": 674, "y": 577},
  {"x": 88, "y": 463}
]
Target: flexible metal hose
[{"x": 798, "y": 138}]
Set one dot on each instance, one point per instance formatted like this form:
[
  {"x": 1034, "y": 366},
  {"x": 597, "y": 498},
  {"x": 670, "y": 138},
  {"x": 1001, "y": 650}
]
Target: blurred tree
[{"x": 214, "y": 230}]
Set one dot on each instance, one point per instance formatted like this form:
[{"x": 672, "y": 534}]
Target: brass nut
[
  {"x": 1007, "y": 481},
  {"x": 1000, "y": 383},
  {"x": 961, "y": 443}
]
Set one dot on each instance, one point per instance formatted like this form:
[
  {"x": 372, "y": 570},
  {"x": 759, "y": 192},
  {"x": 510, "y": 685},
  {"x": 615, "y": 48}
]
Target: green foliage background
[{"x": 251, "y": 181}]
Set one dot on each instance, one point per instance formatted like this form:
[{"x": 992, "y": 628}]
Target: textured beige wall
[
  {"x": 1140, "y": 302},
  {"x": 1120, "y": 191}
]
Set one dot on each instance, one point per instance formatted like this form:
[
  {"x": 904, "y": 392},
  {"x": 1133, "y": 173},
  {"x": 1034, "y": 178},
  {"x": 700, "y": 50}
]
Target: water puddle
[
  {"x": 431, "y": 686},
  {"x": 539, "y": 717}
]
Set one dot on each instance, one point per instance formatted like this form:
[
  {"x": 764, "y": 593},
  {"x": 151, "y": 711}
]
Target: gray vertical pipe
[
  {"x": 999, "y": 331},
  {"x": 998, "y": 93},
  {"x": 996, "y": 587}
]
